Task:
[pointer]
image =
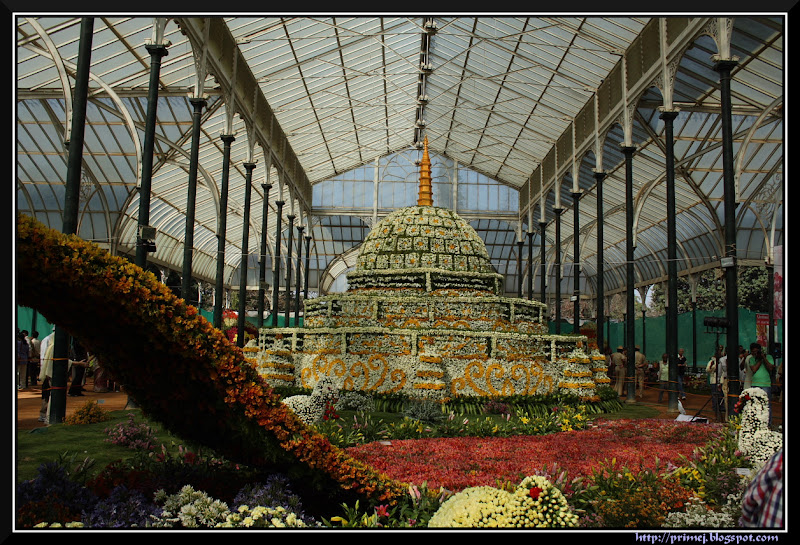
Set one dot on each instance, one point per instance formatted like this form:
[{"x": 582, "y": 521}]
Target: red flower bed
[{"x": 460, "y": 462}]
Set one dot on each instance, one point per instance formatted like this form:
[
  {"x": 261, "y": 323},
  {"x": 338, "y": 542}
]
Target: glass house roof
[{"x": 537, "y": 104}]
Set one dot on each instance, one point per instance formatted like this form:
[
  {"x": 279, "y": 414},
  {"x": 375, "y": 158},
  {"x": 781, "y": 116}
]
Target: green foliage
[
  {"x": 412, "y": 510},
  {"x": 712, "y": 470},
  {"x": 753, "y": 286},
  {"x": 425, "y": 410},
  {"x": 620, "y": 497},
  {"x": 355, "y": 401}
]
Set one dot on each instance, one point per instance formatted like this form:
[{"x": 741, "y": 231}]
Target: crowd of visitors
[
  {"x": 756, "y": 369},
  {"x": 34, "y": 365}
]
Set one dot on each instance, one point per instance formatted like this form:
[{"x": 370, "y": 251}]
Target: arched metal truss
[{"x": 536, "y": 103}]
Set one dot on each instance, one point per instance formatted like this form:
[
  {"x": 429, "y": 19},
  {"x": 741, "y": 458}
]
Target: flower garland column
[
  {"x": 724, "y": 66},
  {"x": 557, "y": 212},
  {"x": 672, "y": 255},
  {"x": 227, "y": 139},
  {"x": 188, "y": 245},
  {"x": 156, "y": 52},
  {"x": 276, "y": 265},
  {"x": 542, "y": 262},
  {"x": 576, "y": 267},
  {"x": 308, "y": 259},
  {"x": 61, "y": 340},
  {"x": 599, "y": 175},
  {"x": 245, "y": 255},
  {"x": 530, "y": 265},
  {"x": 630, "y": 279},
  {"x": 520, "y": 243},
  {"x": 300, "y": 230},
  {"x": 290, "y": 218},
  {"x": 262, "y": 261}
]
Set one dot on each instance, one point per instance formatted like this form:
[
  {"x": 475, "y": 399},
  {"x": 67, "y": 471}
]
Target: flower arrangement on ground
[
  {"x": 533, "y": 503},
  {"x": 756, "y": 440}
]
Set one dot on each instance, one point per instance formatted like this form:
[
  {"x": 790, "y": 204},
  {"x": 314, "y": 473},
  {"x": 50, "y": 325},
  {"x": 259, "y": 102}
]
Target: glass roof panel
[{"x": 345, "y": 90}]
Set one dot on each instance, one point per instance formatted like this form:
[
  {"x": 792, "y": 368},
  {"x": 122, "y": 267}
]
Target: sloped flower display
[{"x": 181, "y": 370}]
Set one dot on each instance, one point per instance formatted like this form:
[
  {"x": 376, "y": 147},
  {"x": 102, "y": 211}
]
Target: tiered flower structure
[
  {"x": 181, "y": 370},
  {"x": 424, "y": 315}
]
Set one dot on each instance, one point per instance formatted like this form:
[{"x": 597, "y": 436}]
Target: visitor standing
[
  {"x": 663, "y": 376},
  {"x": 713, "y": 378},
  {"x": 23, "y": 352},
  {"x": 748, "y": 371},
  {"x": 33, "y": 357},
  {"x": 762, "y": 366},
  {"x": 722, "y": 379},
  {"x": 742, "y": 364},
  {"x": 640, "y": 361},
  {"x": 99, "y": 374},
  {"x": 620, "y": 361},
  {"x": 78, "y": 363},
  {"x": 681, "y": 366},
  {"x": 46, "y": 373}
]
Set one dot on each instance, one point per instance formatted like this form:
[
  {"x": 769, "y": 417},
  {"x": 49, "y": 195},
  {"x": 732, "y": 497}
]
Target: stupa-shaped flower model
[{"x": 424, "y": 314}]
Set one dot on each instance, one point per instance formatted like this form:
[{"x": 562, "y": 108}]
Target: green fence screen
[{"x": 696, "y": 341}]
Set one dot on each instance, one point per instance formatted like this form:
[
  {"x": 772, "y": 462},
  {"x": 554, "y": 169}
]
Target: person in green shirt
[{"x": 762, "y": 367}]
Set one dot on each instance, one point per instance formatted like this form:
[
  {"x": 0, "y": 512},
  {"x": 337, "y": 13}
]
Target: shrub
[
  {"x": 425, "y": 410},
  {"x": 635, "y": 509},
  {"x": 124, "y": 508},
  {"x": 273, "y": 493},
  {"x": 355, "y": 401},
  {"x": 52, "y": 497},
  {"x": 88, "y": 413},
  {"x": 133, "y": 435},
  {"x": 494, "y": 406}
]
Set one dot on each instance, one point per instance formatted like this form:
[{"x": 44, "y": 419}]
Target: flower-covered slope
[{"x": 180, "y": 370}]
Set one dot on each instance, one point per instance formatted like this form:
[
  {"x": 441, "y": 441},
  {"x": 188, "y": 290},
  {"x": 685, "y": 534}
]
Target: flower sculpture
[
  {"x": 311, "y": 408},
  {"x": 181, "y": 370},
  {"x": 425, "y": 315},
  {"x": 756, "y": 440},
  {"x": 533, "y": 503}
]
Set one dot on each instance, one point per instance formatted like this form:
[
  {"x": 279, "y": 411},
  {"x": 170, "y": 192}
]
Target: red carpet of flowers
[{"x": 461, "y": 462}]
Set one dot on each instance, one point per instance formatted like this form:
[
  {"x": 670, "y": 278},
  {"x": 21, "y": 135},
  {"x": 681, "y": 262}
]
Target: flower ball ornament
[
  {"x": 756, "y": 440},
  {"x": 534, "y": 503}
]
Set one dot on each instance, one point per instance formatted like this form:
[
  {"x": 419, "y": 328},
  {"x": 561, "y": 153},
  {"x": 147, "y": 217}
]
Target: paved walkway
[{"x": 29, "y": 401}]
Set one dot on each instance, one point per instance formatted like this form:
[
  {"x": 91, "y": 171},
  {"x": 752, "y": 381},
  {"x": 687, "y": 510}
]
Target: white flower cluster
[
  {"x": 189, "y": 508},
  {"x": 699, "y": 515},
  {"x": 311, "y": 408},
  {"x": 262, "y": 517},
  {"x": 535, "y": 503},
  {"x": 756, "y": 440}
]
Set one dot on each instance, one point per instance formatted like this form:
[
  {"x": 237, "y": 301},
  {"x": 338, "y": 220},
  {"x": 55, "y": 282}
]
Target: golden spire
[{"x": 425, "y": 188}]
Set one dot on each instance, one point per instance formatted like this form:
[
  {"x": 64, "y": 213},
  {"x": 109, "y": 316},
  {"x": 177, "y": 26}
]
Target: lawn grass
[{"x": 41, "y": 445}]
